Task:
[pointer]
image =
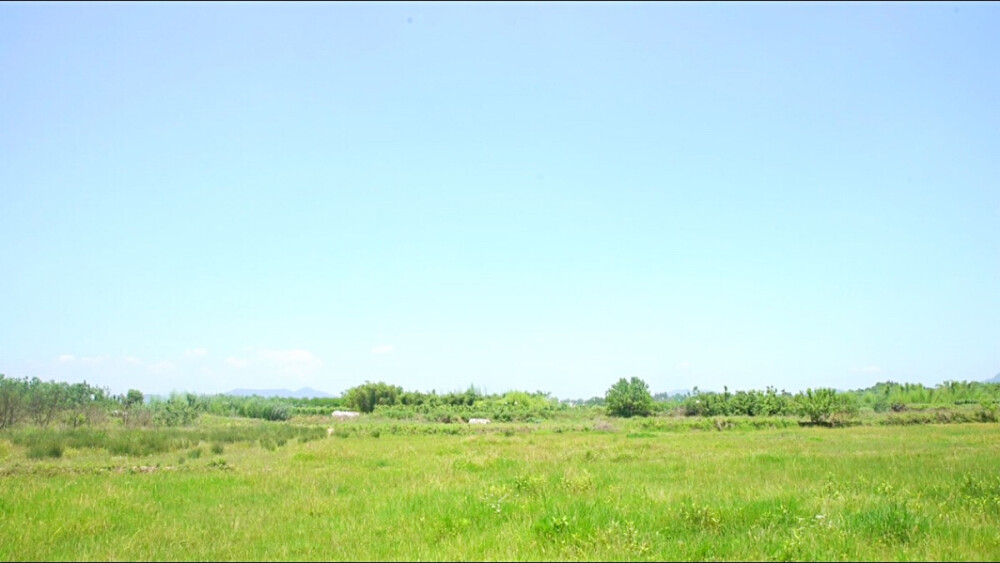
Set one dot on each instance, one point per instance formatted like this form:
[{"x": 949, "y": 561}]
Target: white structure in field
[
  {"x": 345, "y": 414},
  {"x": 479, "y": 421}
]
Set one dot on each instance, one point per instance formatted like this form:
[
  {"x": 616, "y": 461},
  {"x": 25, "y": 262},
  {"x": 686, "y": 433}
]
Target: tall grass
[
  {"x": 51, "y": 442},
  {"x": 624, "y": 492}
]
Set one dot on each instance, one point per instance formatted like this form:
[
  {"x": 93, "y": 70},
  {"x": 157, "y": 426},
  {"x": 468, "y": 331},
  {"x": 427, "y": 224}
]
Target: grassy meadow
[{"x": 609, "y": 489}]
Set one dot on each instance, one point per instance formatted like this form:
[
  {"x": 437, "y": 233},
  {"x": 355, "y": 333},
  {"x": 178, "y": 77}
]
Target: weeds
[
  {"x": 700, "y": 516},
  {"x": 888, "y": 521},
  {"x": 981, "y": 492},
  {"x": 577, "y": 481},
  {"x": 495, "y": 498},
  {"x": 45, "y": 449}
]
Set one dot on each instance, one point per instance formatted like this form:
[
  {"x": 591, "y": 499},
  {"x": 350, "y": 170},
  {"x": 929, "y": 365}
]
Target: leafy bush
[
  {"x": 178, "y": 410},
  {"x": 365, "y": 397},
  {"x": 823, "y": 405},
  {"x": 628, "y": 398}
]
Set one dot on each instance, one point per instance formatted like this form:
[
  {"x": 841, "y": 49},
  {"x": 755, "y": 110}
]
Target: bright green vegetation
[
  {"x": 32, "y": 401},
  {"x": 629, "y": 398},
  {"x": 893, "y": 472},
  {"x": 586, "y": 489}
]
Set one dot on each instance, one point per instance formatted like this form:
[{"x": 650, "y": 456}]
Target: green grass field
[{"x": 602, "y": 491}]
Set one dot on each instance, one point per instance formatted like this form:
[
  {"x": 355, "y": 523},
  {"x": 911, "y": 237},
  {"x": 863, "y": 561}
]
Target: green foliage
[
  {"x": 12, "y": 400},
  {"x": 139, "y": 443},
  {"x": 43, "y": 402},
  {"x": 877, "y": 493},
  {"x": 889, "y": 521},
  {"x": 49, "y": 449},
  {"x": 364, "y": 398},
  {"x": 895, "y": 396},
  {"x": 823, "y": 405},
  {"x": 741, "y": 403},
  {"x": 628, "y": 398},
  {"x": 149, "y": 441},
  {"x": 133, "y": 398},
  {"x": 181, "y": 409},
  {"x": 265, "y": 409}
]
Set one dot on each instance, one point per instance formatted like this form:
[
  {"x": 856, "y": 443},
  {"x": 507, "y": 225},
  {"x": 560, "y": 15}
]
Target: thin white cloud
[
  {"x": 99, "y": 359},
  {"x": 161, "y": 367},
  {"x": 290, "y": 362},
  {"x": 383, "y": 349},
  {"x": 237, "y": 362},
  {"x": 288, "y": 356},
  {"x": 195, "y": 353}
]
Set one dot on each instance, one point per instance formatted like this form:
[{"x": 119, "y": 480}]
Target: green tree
[
  {"x": 133, "y": 398},
  {"x": 629, "y": 398},
  {"x": 181, "y": 409},
  {"x": 365, "y": 397},
  {"x": 45, "y": 400},
  {"x": 13, "y": 394}
]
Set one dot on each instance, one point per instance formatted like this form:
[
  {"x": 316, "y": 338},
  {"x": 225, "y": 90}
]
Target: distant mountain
[
  {"x": 995, "y": 379},
  {"x": 304, "y": 393},
  {"x": 676, "y": 393}
]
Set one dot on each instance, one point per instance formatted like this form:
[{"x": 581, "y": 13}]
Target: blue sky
[{"x": 200, "y": 197}]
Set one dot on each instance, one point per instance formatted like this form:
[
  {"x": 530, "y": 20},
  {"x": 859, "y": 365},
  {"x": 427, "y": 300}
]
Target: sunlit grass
[{"x": 631, "y": 492}]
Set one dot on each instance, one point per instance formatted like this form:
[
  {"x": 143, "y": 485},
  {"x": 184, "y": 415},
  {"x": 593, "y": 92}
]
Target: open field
[{"x": 600, "y": 490}]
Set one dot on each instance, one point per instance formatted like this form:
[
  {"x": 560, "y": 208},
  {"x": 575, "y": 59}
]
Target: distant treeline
[
  {"x": 36, "y": 402},
  {"x": 818, "y": 405},
  {"x": 43, "y": 403},
  {"x": 881, "y": 397}
]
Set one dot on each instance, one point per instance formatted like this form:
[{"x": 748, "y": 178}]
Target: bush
[
  {"x": 824, "y": 406},
  {"x": 364, "y": 398},
  {"x": 178, "y": 410},
  {"x": 629, "y": 398}
]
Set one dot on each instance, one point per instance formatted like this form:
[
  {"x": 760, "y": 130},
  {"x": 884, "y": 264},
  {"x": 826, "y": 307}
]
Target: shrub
[
  {"x": 365, "y": 398},
  {"x": 628, "y": 398},
  {"x": 821, "y": 405}
]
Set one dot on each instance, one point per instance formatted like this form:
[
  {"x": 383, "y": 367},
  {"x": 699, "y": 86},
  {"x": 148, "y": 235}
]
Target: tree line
[
  {"x": 43, "y": 403},
  {"x": 632, "y": 398}
]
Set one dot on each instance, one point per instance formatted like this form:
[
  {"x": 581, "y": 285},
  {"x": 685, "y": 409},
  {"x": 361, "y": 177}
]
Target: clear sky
[{"x": 529, "y": 196}]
